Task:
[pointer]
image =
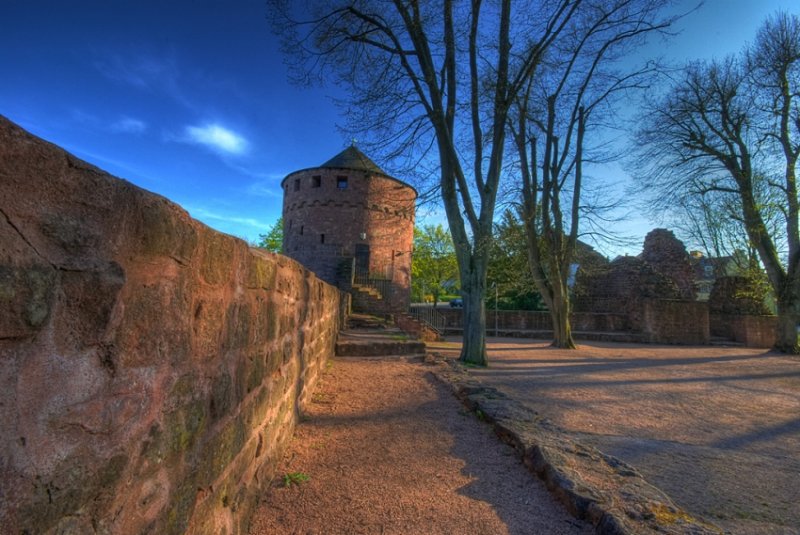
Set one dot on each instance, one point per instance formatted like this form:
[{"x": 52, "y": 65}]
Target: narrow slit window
[
  {"x": 322, "y": 238},
  {"x": 301, "y": 229},
  {"x": 297, "y": 184}
]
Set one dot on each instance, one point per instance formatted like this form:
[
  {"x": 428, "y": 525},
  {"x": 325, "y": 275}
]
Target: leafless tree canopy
[
  {"x": 580, "y": 84},
  {"x": 729, "y": 131},
  {"x": 437, "y": 78}
]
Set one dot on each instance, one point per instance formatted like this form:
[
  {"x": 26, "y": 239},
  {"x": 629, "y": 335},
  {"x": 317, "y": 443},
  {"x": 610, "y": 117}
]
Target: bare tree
[
  {"x": 580, "y": 79},
  {"x": 732, "y": 128},
  {"x": 439, "y": 77}
]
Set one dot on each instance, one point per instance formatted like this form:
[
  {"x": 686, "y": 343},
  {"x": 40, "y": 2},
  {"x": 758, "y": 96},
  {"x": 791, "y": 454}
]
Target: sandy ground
[
  {"x": 718, "y": 429},
  {"x": 389, "y": 450}
]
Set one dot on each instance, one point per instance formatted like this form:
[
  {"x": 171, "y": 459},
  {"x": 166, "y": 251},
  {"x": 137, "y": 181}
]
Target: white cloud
[
  {"x": 268, "y": 187},
  {"x": 203, "y": 214},
  {"x": 158, "y": 69},
  {"x": 129, "y": 125},
  {"x": 216, "y": 137}
]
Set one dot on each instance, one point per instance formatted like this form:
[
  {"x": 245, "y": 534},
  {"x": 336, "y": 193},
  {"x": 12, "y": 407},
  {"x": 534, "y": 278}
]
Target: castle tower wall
[{"x": 337, "y": 217}]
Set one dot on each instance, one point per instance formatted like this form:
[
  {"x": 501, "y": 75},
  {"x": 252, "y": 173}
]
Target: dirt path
[
  {"x": 389, "y": 450},
  {"x": 718, "y": 429}
]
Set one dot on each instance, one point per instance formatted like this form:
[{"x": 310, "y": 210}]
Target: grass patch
[
  {"x": 668, "y": 515},
  {"x": 295, "y": 478}
]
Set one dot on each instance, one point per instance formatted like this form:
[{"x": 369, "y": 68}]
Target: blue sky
[{"x": 190, "y": 99}]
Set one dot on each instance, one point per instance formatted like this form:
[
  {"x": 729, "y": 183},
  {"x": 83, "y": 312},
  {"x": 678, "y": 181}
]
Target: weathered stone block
[
  {"x": 26, "y": 298},
  {"x": 217, "y": 261}
]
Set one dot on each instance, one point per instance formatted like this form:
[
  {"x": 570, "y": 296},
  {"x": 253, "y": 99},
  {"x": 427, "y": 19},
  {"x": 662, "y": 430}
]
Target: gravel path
[
  {"x": 718, "y": 429},
  {"x": 388, "y": 449}
]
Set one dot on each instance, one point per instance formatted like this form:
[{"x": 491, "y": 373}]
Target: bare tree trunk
[
  {"x": 788, "y": 316},
  {"x": 473, "y": 349},
  {"x": 786, "y": 334},
  {"x": 562, "y": 330}
]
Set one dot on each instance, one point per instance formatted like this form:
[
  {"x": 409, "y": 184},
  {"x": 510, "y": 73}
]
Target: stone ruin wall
[
  {"x": 152, "y": 368},
  {"x": 668, "y": 256},
  {"x": 621, "y": 288},
  {"x": 737, "y": 312}
]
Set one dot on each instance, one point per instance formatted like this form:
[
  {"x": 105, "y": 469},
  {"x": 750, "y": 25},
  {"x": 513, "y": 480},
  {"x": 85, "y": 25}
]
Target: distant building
[{"x": 353, "y": 225}]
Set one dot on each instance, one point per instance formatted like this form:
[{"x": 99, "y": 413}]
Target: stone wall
[
  {"x": 661, "y": 320},
  {"x": 621, "y": 289},
  {"x": 749, "y": 330},
  {"x": 668, "y": 256},
  {"x": 669, "y": 321},
  {"x": 152, "y": 369}
]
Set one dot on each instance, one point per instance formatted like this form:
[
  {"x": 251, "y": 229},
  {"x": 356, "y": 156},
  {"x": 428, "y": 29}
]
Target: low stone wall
[
  {"x": 664, "y": 321},
  {"x": 750, "y": 330},
  {"x": 672, "y": 321},
  {"x": 152, "y": 369},
  {"x": 721, "y": 325},
  {"x": 507, "y": 320},
  {"x": 755, "y": 331},
  {"x": 600, "y": 322},
  {"x": 530, "y": 320}
]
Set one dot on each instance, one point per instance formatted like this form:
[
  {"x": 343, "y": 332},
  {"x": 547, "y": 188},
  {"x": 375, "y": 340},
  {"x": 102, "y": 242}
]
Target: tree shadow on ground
[{"x": 499, "y": 478}]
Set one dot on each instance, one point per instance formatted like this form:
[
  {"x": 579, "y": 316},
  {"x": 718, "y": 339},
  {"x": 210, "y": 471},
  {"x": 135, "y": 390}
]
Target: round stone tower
[{"x": 353, "y": 225}]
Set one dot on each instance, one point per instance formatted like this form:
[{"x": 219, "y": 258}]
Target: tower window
[
  {"x": 316, "y": 181},
  {"x": 322, "y": 238},
  {"x": 302, "y": 227},
  {"x": 341, "y": 182},
  {"x": 297, "y": 184}
]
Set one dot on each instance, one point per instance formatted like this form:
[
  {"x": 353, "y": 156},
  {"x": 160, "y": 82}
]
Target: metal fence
[{"x": 429, "y": 316}]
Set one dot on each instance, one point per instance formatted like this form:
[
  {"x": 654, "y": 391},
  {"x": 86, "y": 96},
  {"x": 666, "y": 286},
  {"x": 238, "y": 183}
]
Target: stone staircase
[
  {"x": 370, "y": 336},
  {"x": 368, "y": 299}
]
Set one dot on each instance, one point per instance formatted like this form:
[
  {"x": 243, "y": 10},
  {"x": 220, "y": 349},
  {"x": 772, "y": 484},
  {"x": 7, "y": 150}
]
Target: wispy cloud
[
  {"x": 269, "y": 187},
  {"x": 145, "y": 71},
  {"x": 129, "y": 125},
  {"x": 154, "y": 71},
  {"x": 203, "y": 214},
  {"x": 216, "y": 137}
]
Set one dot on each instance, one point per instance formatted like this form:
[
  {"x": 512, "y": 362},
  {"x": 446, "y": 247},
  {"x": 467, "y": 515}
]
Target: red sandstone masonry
[
  {"x": 380, "y": 207},
  {"x": 152, "y": 369}
]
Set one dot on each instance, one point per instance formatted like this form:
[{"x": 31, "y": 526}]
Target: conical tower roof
[{"x": 352, "y": 158}]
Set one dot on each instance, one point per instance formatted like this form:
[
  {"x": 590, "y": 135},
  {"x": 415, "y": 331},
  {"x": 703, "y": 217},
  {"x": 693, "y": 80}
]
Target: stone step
[{"x": 377, "y": 343}]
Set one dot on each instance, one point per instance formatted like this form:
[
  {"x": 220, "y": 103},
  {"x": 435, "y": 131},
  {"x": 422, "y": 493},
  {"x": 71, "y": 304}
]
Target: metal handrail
[
  {"x": 430, "y": 317},
  {"x": 380, "y": 281}
]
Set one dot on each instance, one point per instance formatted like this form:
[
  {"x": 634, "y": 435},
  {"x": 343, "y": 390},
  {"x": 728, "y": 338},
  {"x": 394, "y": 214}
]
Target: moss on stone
[
  {"x": 257, "y": 372},
  {"x": 27, "y": 293},
  {"x": 238, "y": 319},
  {"x": 216, "y": 267},
  {"x": 153, "y": 450},
  {"x": 221, "y": 396},
  {"x": 255, "y": 411},
  {"x": 220, "y": 450},
  {"x": 184, "y": 426},
  {"x": 73, "y": 486},
  {"x": 164, "y": 233},
  {"x": 260, "y": 273},
  {"x": 180, "y": 507},
  {"x": 40, "y": 282}
]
